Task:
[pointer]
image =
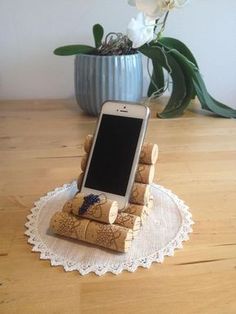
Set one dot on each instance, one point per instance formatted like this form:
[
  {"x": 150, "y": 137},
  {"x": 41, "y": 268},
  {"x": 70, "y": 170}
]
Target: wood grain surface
[{"x": 41, "y": 148}]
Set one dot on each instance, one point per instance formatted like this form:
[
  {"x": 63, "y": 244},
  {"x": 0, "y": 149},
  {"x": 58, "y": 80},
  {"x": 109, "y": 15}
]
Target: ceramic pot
[{"x": 101, "y": 78}]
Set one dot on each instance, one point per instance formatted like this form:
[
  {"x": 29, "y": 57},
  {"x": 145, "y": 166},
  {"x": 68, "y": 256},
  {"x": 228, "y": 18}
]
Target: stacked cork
[{"x": 102, "y": 224}]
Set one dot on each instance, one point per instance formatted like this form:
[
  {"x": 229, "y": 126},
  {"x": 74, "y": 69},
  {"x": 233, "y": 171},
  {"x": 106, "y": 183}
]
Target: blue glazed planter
[{"x": 101, "y": 78}]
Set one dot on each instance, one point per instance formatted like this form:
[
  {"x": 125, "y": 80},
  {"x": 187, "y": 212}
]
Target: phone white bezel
[{"x": 124, "y": 109}]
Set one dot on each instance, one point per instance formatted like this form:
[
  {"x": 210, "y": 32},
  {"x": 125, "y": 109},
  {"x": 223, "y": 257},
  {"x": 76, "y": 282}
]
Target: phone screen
[{"x": 113, "y": 154}]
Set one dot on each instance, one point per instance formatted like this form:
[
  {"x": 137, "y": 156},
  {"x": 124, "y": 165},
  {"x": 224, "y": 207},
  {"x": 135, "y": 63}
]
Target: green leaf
[
  {"x": 190, "y": 89},
  {"x": 98, "y": 32},
  {"x": 173, "y": 43},
  {"x": 206, "y": 100},
  {"x": 173, "y": 108},
  {"x": 157, "y": 78},
  {"x": 179, "y": 46},
  {"x": 74, "y": 50}
]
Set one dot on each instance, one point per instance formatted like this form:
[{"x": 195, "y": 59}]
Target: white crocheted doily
[{"x": 165, "y": 229}]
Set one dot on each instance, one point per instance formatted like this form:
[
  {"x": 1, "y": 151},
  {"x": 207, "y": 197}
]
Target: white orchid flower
[
  {"x": 141, "y": 30},
  {"x": 156, "y": 8}
]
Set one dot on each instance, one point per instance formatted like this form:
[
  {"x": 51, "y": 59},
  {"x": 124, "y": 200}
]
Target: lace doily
[{"x": 164, "y": 230}]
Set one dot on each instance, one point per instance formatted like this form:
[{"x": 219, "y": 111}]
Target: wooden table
[{"x": 41, "y": 148}]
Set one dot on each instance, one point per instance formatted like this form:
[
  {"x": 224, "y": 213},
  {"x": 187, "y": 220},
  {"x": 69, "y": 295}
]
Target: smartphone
[{"x": 114, "y": 154}]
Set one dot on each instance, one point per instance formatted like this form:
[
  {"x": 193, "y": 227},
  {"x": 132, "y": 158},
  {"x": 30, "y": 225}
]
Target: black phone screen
[{"x": 113, "y": 154}]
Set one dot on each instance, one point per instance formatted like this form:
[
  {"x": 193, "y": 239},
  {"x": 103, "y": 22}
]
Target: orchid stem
[
  {"x": 165, "y": 19},
  {"x": 162, "y": 27},
  {"x": 156, "y": 23}
]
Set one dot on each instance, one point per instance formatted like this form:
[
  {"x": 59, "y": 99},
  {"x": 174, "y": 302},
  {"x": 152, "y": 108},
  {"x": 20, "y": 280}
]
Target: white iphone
[{"x": 114, "y": 154}]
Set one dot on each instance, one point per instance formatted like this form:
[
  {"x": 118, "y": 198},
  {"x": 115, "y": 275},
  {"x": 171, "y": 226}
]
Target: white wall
[{"x": 30, "y": 30}]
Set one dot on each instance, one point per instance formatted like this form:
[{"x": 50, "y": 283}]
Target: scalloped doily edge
[{"x": 158, "y": 257}]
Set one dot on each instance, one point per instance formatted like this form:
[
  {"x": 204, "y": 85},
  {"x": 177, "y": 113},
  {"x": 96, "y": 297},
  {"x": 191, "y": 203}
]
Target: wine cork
[
  {"x": 135, "y": 233},
  {"x": 128, "y": 221},
  {"x": 137, "y": 210},
  {"x": 67, "y": 225},
  {"x": 140, "y": 193},
  {"x": 114, "y": 237},
  {"x": 84, "y": 162},
  {"x": 88, "y": 143},
  {"x": 145, "y": 173},
  {"x": 80, "y": 180},
  {"x": 104, "y": 211},
  {"x": 149, "y": 154},
  {"x": 109, "y": 236}
]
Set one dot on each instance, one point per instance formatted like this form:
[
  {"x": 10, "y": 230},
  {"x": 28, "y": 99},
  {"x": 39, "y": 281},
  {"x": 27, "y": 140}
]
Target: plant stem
[
  {"x": 159, "y": 34},
  {"x": 165, "y": 19},
  {"x": 156, "y": 23}
]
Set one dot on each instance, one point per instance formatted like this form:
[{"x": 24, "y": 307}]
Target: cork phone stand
[{"x": 100, "y": 222}]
